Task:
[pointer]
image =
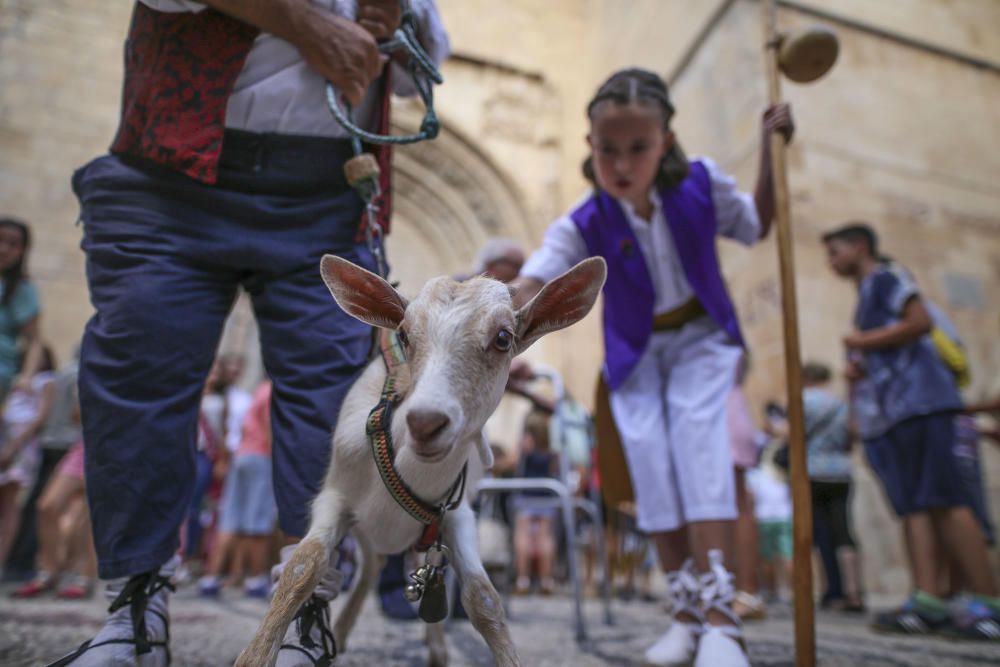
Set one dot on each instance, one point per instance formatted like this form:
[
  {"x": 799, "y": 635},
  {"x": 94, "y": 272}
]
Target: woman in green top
[{"x": 19, "y": 306}]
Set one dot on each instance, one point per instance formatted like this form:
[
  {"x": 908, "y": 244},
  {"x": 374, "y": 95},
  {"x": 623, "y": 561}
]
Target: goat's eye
[
  {"x": 504, "y": 340},
  {"x": 404, "y": 340}
]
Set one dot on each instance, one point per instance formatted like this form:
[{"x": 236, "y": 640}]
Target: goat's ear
[
  {"x": 561, "y": 302},
  {"x": 362, "y": 294}
]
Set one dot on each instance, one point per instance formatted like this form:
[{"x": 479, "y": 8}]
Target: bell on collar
[
  {"x": 434, "y": 604},
  {"x": 413, "y": 592}
]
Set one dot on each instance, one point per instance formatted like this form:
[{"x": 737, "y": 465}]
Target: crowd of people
[{"x": 255, "y": 196}]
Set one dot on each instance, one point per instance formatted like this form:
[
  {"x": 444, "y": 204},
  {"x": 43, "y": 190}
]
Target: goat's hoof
[
  {"x": 437, "y": 647},
  {"x": 340, "y": 638}
]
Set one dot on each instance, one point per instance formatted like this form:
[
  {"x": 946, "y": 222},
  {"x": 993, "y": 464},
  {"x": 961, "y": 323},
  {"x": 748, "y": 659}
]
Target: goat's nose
[{"x": 425, "y": 424}]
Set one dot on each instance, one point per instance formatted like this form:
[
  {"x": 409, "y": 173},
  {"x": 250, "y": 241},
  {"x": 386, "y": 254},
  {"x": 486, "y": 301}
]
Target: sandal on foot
[
  {"x": 749, "y": 607},
  {"x": 678, "y": 645},
  {"x": 720, "y": 644}
]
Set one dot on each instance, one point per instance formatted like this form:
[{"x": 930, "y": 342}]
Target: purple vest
[{"x": 628, "y": 292}]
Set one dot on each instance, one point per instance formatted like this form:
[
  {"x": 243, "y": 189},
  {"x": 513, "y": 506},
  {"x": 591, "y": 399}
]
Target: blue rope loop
[{"x": 424, "y": 74}]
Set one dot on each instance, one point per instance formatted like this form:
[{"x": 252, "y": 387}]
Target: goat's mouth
[{"x": 430, "y": 456}]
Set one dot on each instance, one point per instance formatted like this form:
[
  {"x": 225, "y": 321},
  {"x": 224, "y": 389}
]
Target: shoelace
[
  {"x": 717, "y": 583},
  {"x": 683, "y": 587},
  {"x": 136, "y": 593},
  {"x": 315, "y": 612},
  {"x": 717, "y": 593}
]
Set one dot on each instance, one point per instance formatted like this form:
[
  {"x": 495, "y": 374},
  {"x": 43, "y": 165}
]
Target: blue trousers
[{"x": 165, "y": 256}]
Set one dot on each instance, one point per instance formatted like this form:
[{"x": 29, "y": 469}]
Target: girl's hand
[
  {"x": 779, "y": 119},
  {"x": 520, "y": 371}
]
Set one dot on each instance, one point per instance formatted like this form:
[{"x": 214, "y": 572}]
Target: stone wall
[{"x": 60, "y": 84}]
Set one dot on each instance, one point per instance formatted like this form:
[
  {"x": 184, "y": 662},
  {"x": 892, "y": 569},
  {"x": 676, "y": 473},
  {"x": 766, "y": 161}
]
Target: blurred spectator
[
  {"x": 499, "y": 258},
  {"x": 772, "y": 503},
  {"x": 905, "y": 402},
  {"x": 247, "y": 511},
  {"x": 19, "y": 308},
  {"x": 212, "y": 461},
  {"x": 66, "y": 553},
  {"x": 828, "y": 446},
  {"x": 24, "y": 414},
  {"x": 60, "y": 433},
  {"x": 238, "y": 400},
  {"x": 533, "y": 515}
]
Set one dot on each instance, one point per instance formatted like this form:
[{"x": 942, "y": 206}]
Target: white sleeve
[
  {"x": 434, "y": 39},
  {"x": 735, "y": 211},
  {"x": 175, "y": 6},
  {"x": 562, "y": 248}
]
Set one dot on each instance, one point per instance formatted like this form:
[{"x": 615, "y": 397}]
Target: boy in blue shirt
[{"x": 906, "y": 402}]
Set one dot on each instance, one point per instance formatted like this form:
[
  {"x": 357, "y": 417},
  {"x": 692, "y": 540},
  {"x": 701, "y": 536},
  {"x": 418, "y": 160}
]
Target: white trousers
[{"x": 671, "y": 415}]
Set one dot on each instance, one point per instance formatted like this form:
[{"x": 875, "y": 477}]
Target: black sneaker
[
  {"x": 910, "y": 619},
  {"x": 975, "y": 620},
  {"x": 137, "y": 630},
  {"x": 309, "y": 641}
]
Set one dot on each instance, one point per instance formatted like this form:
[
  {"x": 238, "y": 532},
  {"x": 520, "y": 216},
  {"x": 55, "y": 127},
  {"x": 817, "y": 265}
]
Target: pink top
[
  {"x": 741, "y": 429},
  {"x": 257, "y": 424},
  {"x": 71, "y": 465}
]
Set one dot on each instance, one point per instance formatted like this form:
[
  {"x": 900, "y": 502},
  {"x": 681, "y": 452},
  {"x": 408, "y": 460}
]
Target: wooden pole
[{"x": 805, "y": 630}]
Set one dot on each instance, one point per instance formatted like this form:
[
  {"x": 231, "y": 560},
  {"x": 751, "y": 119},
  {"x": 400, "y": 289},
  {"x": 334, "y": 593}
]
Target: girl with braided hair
[{"x": 672, "y": 340}]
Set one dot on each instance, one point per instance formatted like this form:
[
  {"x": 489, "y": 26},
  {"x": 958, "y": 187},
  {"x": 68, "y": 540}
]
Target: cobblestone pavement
[{"x": 211, "y": 634}]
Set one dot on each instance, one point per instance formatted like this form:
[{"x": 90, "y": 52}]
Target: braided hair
[
  {"x": 16, "y": 273},
  {"x": 640, "y": 86}
]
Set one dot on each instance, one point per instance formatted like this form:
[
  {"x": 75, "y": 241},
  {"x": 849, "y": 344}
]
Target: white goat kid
[{"x": 459, "y": 339}]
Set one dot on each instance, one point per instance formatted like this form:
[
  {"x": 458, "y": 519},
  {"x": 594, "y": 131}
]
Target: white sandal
[
  {"x": 677, "y": 646},
  {"x": 720, "y": 645}
]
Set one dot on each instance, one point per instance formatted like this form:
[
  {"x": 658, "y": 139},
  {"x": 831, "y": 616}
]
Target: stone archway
[{"x": 448, "y": 199}]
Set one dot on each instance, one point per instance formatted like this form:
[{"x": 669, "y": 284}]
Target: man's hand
[
  {"x": 343, "y": 52},
  {"x": 379, "y": 17}
]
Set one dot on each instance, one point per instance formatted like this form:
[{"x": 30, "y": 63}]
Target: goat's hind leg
[
  {"x": 479, "y": 597},
  {"x": 301, "y": 573}
]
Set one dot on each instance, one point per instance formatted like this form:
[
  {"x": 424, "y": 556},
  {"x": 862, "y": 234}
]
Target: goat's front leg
[
  {"x": 437, "y": 645},
  {"x": 302, "y": 572},
  {"x": 479, "y": 597}
]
